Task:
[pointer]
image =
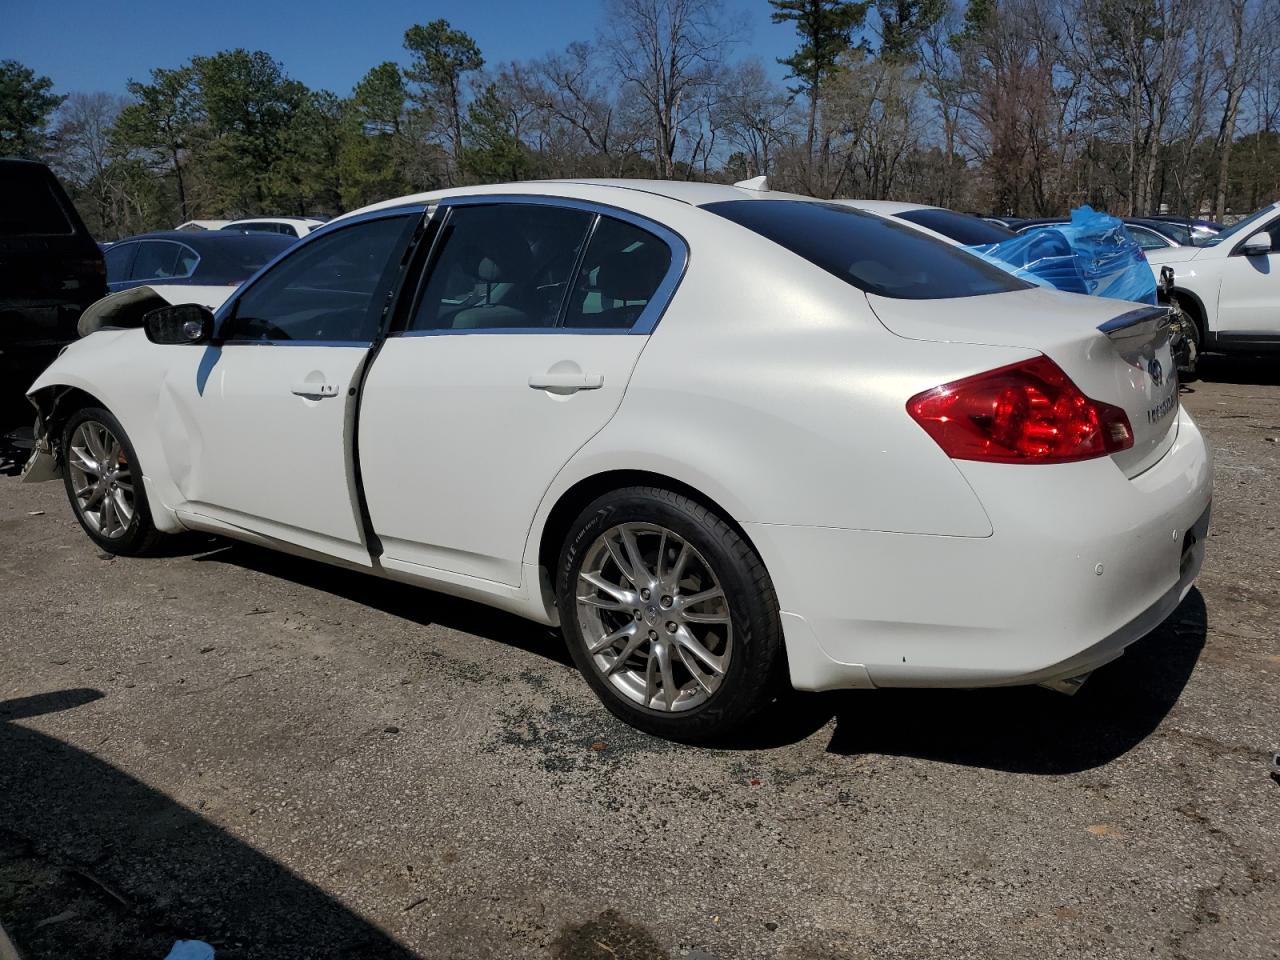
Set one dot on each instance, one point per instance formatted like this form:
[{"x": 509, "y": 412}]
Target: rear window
[
  {"x": 251, "y": 253},
  {"x": 28, "y": 204},
  {"x": 960, "y": 227},
  {"x": 869, "y": 252}
]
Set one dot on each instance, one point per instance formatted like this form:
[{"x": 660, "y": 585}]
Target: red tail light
[{"x": 1027, "y": 412}]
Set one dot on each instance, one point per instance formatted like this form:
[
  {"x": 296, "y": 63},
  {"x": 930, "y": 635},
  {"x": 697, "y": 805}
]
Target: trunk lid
[{"x": 1116, "y": 351}]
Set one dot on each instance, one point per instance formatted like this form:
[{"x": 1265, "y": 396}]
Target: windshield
[
  {"x": 871, "y": 253},
  {"x": 1242, "y": 226},
  {"x": 253, "y": 251}
]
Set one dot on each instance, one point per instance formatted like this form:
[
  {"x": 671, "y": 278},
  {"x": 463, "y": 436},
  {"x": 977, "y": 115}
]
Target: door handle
[
  {"x": 568, "y": 382},
  {"x": 305, "y": 389}
]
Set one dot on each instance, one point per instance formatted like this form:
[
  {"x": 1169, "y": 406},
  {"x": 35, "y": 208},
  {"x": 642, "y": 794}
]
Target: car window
[
  {"x": 1146, "y": 239},
  {"x": 621, "y": 271},
  {"x": 960, "y": 227},
  {"x": 871, "y": 253},
  {"x": 187, "y": 260},
  {"x": 501, "y": 266},
  {"x": 31, "y": 207},
  {"x": 119, "y": 258},
  {"x": 1244, "y": 228},
  {"x": 156, "y": 260},
  {"x": 332, "y": 288}
]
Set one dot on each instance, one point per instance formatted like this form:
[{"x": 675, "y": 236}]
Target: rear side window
[
  {"x": 1147, "y": 239},
  {"x": 29, "y": 205},
  {"x": 621, "y": 271},
  {"x": 119, "y": 258},
  {"x": 157, "y": 260},
  {"x": 501, "y": 266},
  {"x": 960, "y": 227},
  {"x": 871, "y": 253}
]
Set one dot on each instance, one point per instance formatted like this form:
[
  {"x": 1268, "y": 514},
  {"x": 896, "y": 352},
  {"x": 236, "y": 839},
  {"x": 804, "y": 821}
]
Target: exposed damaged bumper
[{"x": 43, "y": 464}]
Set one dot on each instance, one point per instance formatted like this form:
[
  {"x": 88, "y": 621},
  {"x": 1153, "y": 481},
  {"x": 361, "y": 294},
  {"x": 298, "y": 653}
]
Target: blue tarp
[{"x": 1094, "y": 254}]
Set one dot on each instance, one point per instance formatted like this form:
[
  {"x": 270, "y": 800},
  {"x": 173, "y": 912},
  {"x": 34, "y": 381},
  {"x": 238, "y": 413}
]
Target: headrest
[
  {"x": 634, "y": 275},
  {"x": 504, "y": 258}
]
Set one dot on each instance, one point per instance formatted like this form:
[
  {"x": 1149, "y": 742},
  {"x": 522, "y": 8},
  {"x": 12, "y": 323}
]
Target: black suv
[{"x": 50, "y": 270}]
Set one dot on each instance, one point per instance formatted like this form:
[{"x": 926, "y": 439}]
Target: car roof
[
  {"x": 292, "y": 221},
  {"x": 627, "y": 194},
  {"x": 201, "y": 240}
]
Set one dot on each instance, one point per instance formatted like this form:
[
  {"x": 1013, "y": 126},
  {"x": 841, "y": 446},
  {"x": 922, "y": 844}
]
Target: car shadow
[
  {"x": 1015, "y": 729},
  {"x": 1029, "y": 729},
  {"x": 412, "y": 603},
  {"x": 94, "y": 863},
  {"x": 1260, "y": 370}
]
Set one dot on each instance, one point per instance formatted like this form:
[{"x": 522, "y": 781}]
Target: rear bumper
[{"x": 1082, "y": 562}]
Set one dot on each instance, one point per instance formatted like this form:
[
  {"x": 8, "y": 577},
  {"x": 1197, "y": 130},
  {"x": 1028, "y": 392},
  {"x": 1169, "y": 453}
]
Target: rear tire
[
  {"x": 103, "y": 480},
  {"x": 698, "y": 649}
]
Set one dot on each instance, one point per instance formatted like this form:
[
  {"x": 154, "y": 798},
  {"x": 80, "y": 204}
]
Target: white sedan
[
  {"x": 1231, "y": 286},
  {"x": 727, "y": 439}
]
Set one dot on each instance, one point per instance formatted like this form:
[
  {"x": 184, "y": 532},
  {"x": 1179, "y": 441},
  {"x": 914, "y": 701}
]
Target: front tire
[
  {"x": 669, "y": 614},
  {"x": 103, "y": 480}
]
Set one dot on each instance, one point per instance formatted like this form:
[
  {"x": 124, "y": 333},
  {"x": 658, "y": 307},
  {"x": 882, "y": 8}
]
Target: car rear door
[
  {"x": 259, "y": 434},
  {"x": 516, "y": 350}
]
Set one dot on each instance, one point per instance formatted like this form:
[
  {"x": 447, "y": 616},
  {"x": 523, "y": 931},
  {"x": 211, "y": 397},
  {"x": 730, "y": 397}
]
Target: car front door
[
  {"x": 1249, "y": 299},
  {"x": 515, "y": 351},
  {"x": 259, "y": 436}
]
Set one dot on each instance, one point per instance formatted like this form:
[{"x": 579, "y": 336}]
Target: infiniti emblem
[{"x": 1156, "y": 371}]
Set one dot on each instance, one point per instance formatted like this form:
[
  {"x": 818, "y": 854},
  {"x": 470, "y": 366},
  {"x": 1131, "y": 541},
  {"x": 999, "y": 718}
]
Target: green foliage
[
  {"x": 494, "y": 151},
  {"x": 826, "y": 29},
  {"x": 441, "y": 56},
  {"x": 373, "y": 154},
  {"x": 26, "y": 104},
  {"x": 248, "y": 104},
  {"x": 903, "y": 23}
]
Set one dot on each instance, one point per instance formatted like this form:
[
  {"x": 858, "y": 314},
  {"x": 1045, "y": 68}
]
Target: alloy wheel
[
  {"x": 654, "y": 617},
  {"x": 101, "y": 479}
]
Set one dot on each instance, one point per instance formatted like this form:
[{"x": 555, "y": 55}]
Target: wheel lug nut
[
  {"x": 644, "y": 594},
  {"x": 637, "y": 615},
  {"x": 666, "y": 601},
  {"x": 671, "y": 626},
  {"x": 653, "y": 634}
]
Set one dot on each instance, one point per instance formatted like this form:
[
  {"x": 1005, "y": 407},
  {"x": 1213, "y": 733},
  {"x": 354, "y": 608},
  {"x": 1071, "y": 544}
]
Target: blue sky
[{"x": 328, "y": 44}]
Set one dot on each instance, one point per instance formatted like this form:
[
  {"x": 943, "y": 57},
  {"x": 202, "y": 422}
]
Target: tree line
[{"x": 1026, "y": 107}]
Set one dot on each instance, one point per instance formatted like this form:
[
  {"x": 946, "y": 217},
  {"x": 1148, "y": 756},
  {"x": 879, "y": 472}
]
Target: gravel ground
[{"x": 288, "y": 761}]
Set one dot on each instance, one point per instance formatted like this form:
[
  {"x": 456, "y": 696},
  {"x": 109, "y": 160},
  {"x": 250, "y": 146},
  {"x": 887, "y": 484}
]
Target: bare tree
[
  {"x": 664, "y": 51},
  {"x": 757, "y": 116}
]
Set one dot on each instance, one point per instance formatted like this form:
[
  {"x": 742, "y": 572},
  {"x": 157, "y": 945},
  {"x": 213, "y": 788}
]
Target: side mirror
[
  {"x": 1258, "y": 244},
  {"x": 180, "y": 323}
]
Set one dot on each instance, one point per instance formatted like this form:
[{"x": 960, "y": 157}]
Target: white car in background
[
  {"x": 724, "y": 438},
  {"x": 288, "y": 226},
  {"x": 202, "y": 225},
  {"x": 1231, "y": 286}
]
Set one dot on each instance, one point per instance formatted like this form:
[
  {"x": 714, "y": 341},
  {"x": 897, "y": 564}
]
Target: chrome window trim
[
  {"x": 225, "y": 311},
  {"x": 649, "y": 317}
]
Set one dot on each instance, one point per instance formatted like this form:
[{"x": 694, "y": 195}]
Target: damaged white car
[{"x": 726, "y": 438}]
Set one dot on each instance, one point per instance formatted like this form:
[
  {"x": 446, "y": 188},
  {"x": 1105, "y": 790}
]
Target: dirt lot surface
[{"x": 288, "y": 761}]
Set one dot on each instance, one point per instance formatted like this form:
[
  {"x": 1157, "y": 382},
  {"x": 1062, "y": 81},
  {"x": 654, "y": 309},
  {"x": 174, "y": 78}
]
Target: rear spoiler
[{"x": 1144, "y": 323}]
